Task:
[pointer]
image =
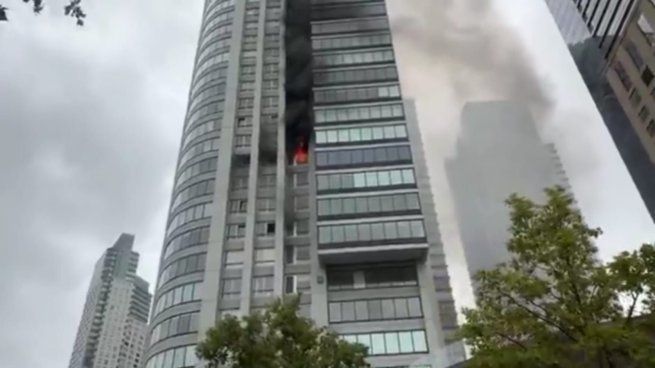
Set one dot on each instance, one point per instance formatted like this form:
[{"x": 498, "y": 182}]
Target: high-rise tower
[
  {"x": 499, "y": 152},
  {"x": 594, "y": 32},
  {"x": 113, "y": 328},
  {"x": 299, "y": 172}
]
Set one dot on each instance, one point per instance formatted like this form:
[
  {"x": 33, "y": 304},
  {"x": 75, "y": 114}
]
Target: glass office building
[
  {"x": 301, "y": 172},
  {"x": 593, "y": 30}
]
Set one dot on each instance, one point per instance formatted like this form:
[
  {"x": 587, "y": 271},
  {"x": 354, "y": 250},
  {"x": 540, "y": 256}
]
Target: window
[
  {"x": 187, "y": 239},
  {"x": 262, "y": 286},
  {"x": 290, "y": 254},
  {"x": 367, "y": 179},
  {"x": 300, "y": 202},
  {"x": 375, "y": 309},
  {"x": 635, "y": 97},
  {"x": 650, "y": 128},
  {"x": 357, "y": 25},
  {"x": 178, "y": 295},
  {"x": 266, "y": 204},
  {"x": 198, "y": 149},
  {"x": 193, "y": 191},
  {"x": 184, "y": 356},
  {"x": 623, "y": 75},
  {"x": 388, "y": 343},
  {"x": 233, "y": 258},
  {"x": 299, "y": 227},
  {"x": 202, "y": 167},
  {"x": 267, "y": 181},
  {"x": 265, "y": 256},
  {"x": 357, "y": 94},
  {"x": 358, "y": 113},
  {"x": 238, "y": 206},
  {"x": 242, "y": 140},
  {"x": 239, "y": 182},
  {"x": 358, "y": 41},
  {"x": 177, "y": 325},
  {"x": 364, "y": 157},
  {"x": 235, "y": 231},
  {"x": 355, "y": 76},
  {"x": 265, "y": 228},
  {"x": 300, "y": 179},
  {"x": 290, "y": 284},
  {"x": 183, "y": 266},
  {"x": 199, "y": 130},
  {"x": 364, "y": 134},
  {"x": 634, "y": 54},
  {"x": 643, "y": 114},
  {"x": 231, "y": 288},
  {"x": 647, "y": 76},
  {"x": 646, "y": 29},
  {"x": 376, "y": 277},
  {"x": 193, "y": 213}
]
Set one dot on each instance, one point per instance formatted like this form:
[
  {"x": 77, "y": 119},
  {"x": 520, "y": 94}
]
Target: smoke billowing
[{"x": 480, "y": 54}]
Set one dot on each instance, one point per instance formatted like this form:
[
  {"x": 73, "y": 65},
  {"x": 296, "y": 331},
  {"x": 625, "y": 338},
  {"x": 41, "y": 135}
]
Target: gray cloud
[{"x": 89, "y": 128}]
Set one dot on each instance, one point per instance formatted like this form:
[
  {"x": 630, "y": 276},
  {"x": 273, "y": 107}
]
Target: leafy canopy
[
  {"x": 278, "y": 338},
  {"x": 72, "y": 9},
  {"x": 554, "y": 304}
]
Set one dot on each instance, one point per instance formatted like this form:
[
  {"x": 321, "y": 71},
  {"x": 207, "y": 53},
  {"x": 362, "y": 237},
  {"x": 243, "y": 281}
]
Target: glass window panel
[
  {"x": 324, "y": 235},
  {"x": 168, "y": 359},
  {"x": 359, "y": 180},
  {"x": 351, "y": 233},
  {"x": 332, "y": 136},
  {"x": 323, "y": 182},
  {"x": 406, "y": 344},
  {"x": 338, "y": 235},
  {"x": 375, "y": 309},
  {"x": 177, "y": 297},
  {"x": 414, "y": 307},
  {"x": 323, "y": 207},
  {"x": 356, "y": 135},
  {"x": 347, "y": 311},
  {"x": 335, "y": 181},
  {"x": 419, "y": 341},
  {"x": 361, "y": 205},
  {"x": 412, "y": 201},
  {"x": 401, "y": 132},
  {"x": 335, "y": 312},
  {"x": 335, "y": 206},
  {"x": 388, "y": 309},
  {"x": 347, "y": 181},
  {"x": 343, "y": 135},
  {"x": 396, "y": 177},
  {"x": 348, "y": 205},
  {"x": 417, "y": 229},
  {"x": 361, "y": 310},
  {"x": 377, "y": 344},
  {"x": 378, "y": 133},
  {"x": 190, "y": 358},
  {"x": 408, "y": 176},
  {"x": 350, "y": 338},
  {"x": 401, "y": 308},
  {"x": 391, "y": 342},
  {"x": 390, "y": 231},
  {"x": 377, "y": 231},
  {"x": 364, "y": 232},
  {"x": 384, "y": 178},
  {"x": 374, "y": 204},
  {"x": 321, "y": 137},
  {"x": 404, "y": 230},
  {"x": 389, "y": 132},
  {"x": 371, "y": 179},
  {"x": 364, "y": 339},
  {"x": 367, "y": 134}
]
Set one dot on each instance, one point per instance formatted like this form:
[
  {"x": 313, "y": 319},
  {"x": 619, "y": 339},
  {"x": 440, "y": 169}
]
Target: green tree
[
  {"x": 554, "y": 303},
  {"x": 72, "y": 9},
  {"x": 278, "y": 338}
]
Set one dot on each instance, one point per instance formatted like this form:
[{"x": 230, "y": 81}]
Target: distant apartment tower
[
  {"x": 499, "y": 152},
  {"x": 593, "y": 30},
  {"x": 299, "y": 172},
  {"x": 113, "y": 328}
]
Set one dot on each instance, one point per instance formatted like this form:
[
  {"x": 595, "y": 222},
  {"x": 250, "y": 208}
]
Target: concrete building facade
[
  {"x": 499, "y": 152},
  {"x": 593, "y": 30},
  {"x": 301, "y": 172},
  {"x": 113, "y": 328}
]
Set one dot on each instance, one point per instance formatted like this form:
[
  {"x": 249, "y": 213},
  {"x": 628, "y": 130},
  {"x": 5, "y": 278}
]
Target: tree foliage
[
  {"x": 278, "y": 338},
  {"x": 554, "y": 304},
  {"x": 72, "y": 9}
]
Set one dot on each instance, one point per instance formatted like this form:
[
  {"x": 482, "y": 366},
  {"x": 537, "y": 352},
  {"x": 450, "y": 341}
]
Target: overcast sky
[{"x": 90, "y": 120}]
